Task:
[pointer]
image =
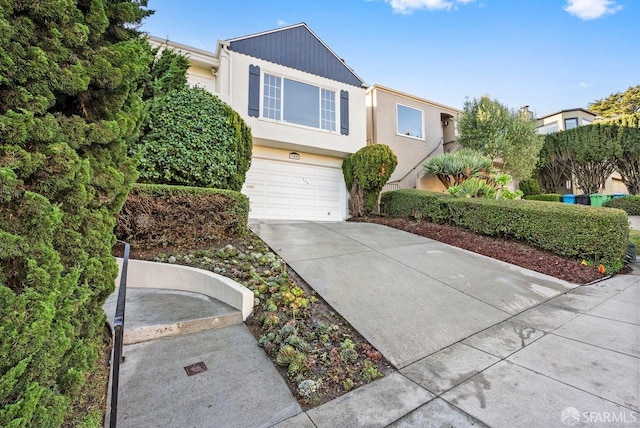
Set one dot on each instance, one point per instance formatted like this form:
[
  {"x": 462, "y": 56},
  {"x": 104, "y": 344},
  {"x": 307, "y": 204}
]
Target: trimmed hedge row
[
  {"x": 158, "y": 215},
  {"x": 630, "y": 204},
  {"x": 575, "y": 231},
  {"x": 547, "y": 197}
]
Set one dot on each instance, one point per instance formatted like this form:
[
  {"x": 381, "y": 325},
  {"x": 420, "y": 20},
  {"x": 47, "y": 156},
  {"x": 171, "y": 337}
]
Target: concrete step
[{"x": 152, "y": 313}]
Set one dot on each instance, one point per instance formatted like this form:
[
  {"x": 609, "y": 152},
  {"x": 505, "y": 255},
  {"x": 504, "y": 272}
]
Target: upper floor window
[
  {"x": 586, "y": 121},
  {"x": 571, "y": 123},
  {"x": 300, "y": 103},
  {"x": 409, "y": 121}
]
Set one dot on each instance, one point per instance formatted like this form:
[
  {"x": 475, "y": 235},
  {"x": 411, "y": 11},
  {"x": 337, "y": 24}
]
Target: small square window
[{"x": 571, "y": 123}]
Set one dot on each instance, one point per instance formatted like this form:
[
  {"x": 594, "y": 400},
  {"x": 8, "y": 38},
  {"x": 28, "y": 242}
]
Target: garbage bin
[
  {"x": 569, "y": 199},
  {"x": 583, "y": 199},
  {"x": 597, "y": 200},
  {"x": 618, "y": 195}
]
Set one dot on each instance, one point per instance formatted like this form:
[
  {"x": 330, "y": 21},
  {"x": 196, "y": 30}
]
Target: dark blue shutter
[
  {"x": 344, "y": 112},
  {"x": 254, "y": 91}
]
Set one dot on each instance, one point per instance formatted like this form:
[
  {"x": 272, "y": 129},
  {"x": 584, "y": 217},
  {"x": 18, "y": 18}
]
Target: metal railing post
[{"x": 118, "y": 328}]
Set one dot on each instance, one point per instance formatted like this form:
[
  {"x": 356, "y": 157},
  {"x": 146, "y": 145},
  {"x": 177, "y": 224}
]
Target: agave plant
[{"x": 453, "y": 169}]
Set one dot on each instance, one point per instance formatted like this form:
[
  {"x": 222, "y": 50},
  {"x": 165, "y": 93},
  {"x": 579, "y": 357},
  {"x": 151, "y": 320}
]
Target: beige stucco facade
[
  {"x": 436, "y": 133},
  {"x": 226, "y": 74}
]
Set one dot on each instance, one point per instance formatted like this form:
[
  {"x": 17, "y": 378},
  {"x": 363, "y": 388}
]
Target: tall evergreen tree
[
  {"x": 620, "y": 103},
  {"x": 69, "y": 105}
]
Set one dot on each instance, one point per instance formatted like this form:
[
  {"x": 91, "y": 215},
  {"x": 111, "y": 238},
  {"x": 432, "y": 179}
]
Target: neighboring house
[
  {"x": 306, "y": 110},
  {"x": 568, "y": 119},
  {"x": 415, "y": 129},
  {"x": 563, "y": 120}
]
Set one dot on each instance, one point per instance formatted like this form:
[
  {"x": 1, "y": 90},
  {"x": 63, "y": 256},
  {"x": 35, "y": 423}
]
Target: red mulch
[{"x": 509, "y": 251}]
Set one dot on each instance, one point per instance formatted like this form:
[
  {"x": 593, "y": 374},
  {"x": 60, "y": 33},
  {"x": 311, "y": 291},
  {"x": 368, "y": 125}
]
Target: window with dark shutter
[
  {"x": 344, "y": 112},
  {"x": 254, "y": 91}
]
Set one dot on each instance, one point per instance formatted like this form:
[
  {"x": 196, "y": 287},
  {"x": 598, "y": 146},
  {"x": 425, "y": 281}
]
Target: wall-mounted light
[
  {"x": 294, "y": 155},
  {"x": 446, "y": 123}
]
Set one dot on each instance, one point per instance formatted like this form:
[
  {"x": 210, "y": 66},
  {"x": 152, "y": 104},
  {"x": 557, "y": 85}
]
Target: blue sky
[{"x": 548, "y": 54}]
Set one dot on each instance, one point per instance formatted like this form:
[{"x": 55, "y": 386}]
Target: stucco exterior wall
[
  {"x": 289, "y": 136},
  {"x": 382, "y": 128}
]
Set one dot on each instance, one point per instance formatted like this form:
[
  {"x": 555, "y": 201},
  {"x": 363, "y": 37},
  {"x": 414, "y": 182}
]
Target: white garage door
[{"x": 287, "y": 190}]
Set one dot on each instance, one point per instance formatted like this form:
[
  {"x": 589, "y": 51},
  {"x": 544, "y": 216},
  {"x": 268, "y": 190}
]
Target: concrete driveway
[
  {"x": 476, "y": 342},
  {"x": 407, "y": 295}
]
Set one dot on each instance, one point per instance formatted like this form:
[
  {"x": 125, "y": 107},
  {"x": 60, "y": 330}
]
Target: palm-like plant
[{"x": 455, "y": 168}]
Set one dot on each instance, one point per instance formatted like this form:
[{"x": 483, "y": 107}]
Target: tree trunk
[{"x": 357, "y": 202}]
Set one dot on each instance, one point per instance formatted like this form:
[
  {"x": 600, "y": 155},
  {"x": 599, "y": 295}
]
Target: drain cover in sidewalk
[{"x": 196, "y": 368}]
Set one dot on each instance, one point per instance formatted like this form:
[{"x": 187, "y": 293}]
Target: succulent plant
[
  {"x": 348, "y": 384},
  {"x": 308, "y": 388},
  {"x": 349, "y": 354},
  {"x": 297, "y": 343},
  {"x": 285, "y": 354}
]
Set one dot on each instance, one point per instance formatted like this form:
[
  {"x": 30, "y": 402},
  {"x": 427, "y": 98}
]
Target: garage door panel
[{"x": 285, "y": 190}]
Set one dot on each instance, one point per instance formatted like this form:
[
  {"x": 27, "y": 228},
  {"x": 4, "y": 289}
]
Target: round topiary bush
[
  {"x": 365, "y": 173},
  {"x": 194, "y": 139}
]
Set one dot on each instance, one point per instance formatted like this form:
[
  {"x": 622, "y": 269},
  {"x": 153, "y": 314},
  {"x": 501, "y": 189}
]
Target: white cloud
[
  {"x": 591, "y": 9},
  {"x": 409, "y": 6},
  {"x": 282, "y": 23}
]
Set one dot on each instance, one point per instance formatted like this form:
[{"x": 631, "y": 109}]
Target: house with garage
[
  {"x": 415, "y": 129},
  {"x": 306, "y": 110}
]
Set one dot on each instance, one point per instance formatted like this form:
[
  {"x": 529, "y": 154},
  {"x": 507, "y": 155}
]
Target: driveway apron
[{"x": 409, "y": 296}]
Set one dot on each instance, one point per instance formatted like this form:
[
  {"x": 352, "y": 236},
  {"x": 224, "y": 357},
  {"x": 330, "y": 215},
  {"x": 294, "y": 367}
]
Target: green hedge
[
  {"x": 548, "y": 197},
  {"x": 159, "y": 215},
  {"x": 575, "y": 231},
  {"x": 630, "y": 204},
  {"x": 417, "y": 204}
]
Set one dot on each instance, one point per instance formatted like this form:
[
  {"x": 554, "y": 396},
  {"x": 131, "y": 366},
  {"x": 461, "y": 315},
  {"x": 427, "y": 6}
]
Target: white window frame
[
  {"x": 402, "y": 134},
  {"x": 336, "y": 111}
]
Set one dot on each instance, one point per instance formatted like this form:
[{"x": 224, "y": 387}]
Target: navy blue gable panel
[
  {"x": 344, "y": 112},
  {"x": 298, "y": 48},
  {"x": 254, "y": 91}
]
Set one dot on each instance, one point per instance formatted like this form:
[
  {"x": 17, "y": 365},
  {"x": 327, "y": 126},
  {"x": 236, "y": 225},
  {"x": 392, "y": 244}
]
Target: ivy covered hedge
[
  {"x": 194, "y": 139},
  {"x": 70, "y": 104},
  {"x": 575, "y": 231},
  {"x": 156, "y": 216},
  {"x": 548, "y": 197},
  {"x": 630, "y": 204}
]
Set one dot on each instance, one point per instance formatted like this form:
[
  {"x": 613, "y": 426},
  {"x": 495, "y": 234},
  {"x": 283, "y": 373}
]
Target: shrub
[
  {"x": 161, "y": 215},
  {"x": 630, "y": 204},
  {"x": 530, "y": 187},
  {"x": 453, "y": 169},
  {"x": 365, "y": 174},
  {"x": 416, "y": 204},
  {"x": 575, "y": 231},
  {"x": 194, "y": 139},
  {"x": 548, "y": 197},
  {"x": 69, "y": 104}
]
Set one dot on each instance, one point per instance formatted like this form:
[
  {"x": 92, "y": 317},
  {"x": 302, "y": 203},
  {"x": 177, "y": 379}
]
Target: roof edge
[{"x": 414, "y": 97}]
